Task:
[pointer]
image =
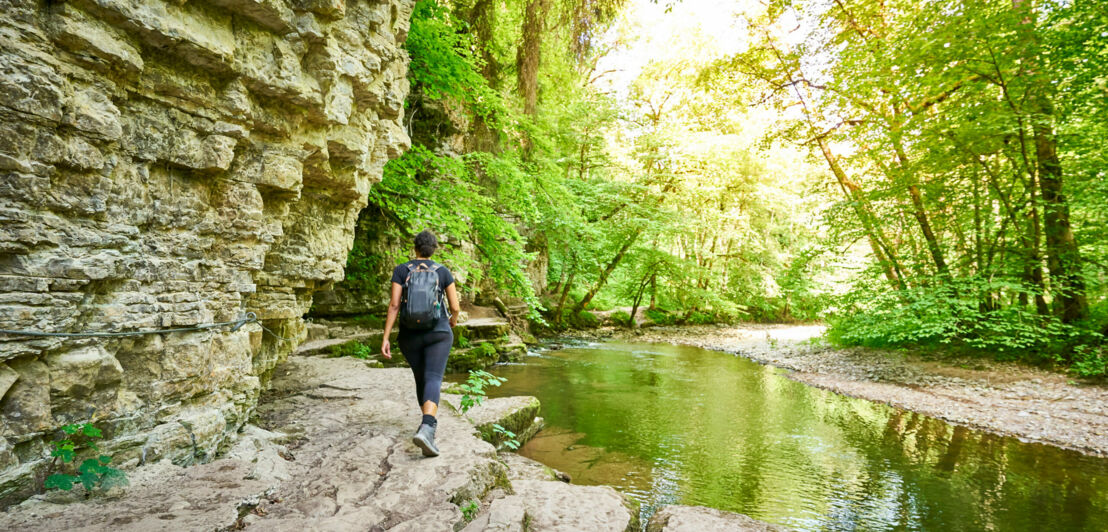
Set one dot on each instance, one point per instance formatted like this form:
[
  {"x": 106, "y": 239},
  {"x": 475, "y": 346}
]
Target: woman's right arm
[
  {"x": 455, "y": 308},
  {"x": 394, "y": 310}
]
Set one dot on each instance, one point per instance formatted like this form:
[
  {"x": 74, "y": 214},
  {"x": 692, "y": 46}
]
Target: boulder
[
  {"x": 482, "y": 329},
  {"x": 506, "y": 514},
  {"x": 480, "y": 356},
  {"x": 523, "y": 468},
  {"x": 516, "y": 414},
  {"x": 561, "y": 507}
]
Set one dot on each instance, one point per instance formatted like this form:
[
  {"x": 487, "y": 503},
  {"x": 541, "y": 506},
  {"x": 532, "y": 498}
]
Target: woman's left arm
[{"x": 455, "y": 308}]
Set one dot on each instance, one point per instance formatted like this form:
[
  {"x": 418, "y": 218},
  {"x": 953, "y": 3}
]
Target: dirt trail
[{"x": 1003, "y": 398}]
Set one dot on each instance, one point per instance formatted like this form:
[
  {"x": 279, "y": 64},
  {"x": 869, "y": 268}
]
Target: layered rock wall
[{"x": 168, "y": 163}]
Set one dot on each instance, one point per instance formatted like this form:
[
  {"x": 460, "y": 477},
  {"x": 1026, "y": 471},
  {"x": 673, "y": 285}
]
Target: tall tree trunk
[
  {"x": 482, "y": 18},
  {"x": 638, "y": 299},
  {"x": 1063, "y": 254},
  {"x": 881, "y": 251},
  {"x": 558, "y": 286},
  {"x": 528, "y": 57},
  {"x": 607, "y": 271},
  {"x": 565, "y": 294},
  {"x": 653, "y": 292},
  {"x": 919, "y": 212},
  {"x": 1036, "y": 255}
]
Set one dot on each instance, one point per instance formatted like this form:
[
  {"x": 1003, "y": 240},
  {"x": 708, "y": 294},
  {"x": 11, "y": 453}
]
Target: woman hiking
[{"x": 418, "y": 288}]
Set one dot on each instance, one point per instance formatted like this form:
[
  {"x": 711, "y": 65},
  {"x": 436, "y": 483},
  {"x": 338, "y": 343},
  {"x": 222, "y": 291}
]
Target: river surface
[{"x": 669, "y": 424}]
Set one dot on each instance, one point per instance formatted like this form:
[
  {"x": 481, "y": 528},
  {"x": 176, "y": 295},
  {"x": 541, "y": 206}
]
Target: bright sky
[{"x": 646, "y": 31}]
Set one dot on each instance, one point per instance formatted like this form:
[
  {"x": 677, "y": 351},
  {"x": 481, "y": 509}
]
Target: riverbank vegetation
[{"x": 917, "y": 174}]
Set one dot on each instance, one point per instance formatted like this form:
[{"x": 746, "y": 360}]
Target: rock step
[
  {"x": 543, "y": 500},
  {"x": 482, "y": 329},
  {"x": 323, "y": 346},
  {"x": 519, "y": 415}
]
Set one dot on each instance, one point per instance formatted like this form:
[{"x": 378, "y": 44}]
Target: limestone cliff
[{"x": 167, "y": 164}]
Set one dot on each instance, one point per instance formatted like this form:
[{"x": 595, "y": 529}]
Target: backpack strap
[{"x": 413, "y": 267}]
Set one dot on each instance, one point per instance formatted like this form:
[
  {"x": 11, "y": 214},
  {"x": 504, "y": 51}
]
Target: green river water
[{"x": 667, "y": 424}]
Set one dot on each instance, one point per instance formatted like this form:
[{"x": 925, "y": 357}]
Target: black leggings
[{"x": 426, "y": 353}]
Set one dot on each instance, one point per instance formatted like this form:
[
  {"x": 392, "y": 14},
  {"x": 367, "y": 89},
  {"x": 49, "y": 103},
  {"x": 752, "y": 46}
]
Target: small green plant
[
  {"x": 93, "y": 472},
  {"x": 485, "y": 350},
  {"x": 1089, "y": 362},
  {"x": 469, "y": 509},
  {"x": 473, "y": 389},
  {"x": 463, "y": 342},
  {"x": 510, "y": 440},
  {"x": 621, "y": 318},
  {"x": 354, "y": 349}
]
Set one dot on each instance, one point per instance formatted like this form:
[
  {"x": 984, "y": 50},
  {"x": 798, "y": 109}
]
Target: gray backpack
[{"x": 421, "y": 303}]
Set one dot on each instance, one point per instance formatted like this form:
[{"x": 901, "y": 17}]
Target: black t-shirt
[{"x": 400, "y": 274}]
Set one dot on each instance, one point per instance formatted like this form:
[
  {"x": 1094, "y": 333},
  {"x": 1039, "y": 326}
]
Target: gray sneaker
[{"x": 425, "y": 439}]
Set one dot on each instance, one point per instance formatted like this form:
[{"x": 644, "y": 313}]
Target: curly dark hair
[{"x": 426, "y": 244}]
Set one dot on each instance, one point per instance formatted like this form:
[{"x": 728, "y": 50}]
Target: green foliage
[
  {"x": 354, "y": 349},
  {"x": 622, "y": 318},
  {"x": 473, "y": 389},
  {"x": 462, "y": 341},
  {"x": 508, "y": 436},
  {"x": 585, "y": 320},
  {"x": 470, "y": 509},
  {"x": 1090, "y": 361},
  {"x": 966, "y": 147},
  {"x": 92, "y": 473},
  {"x": 701, "y": 318},
  {"x": 660, "y": 317},
  {"x": 954, "y": 313},
  {"x": 442, "y": 65},
  {"x": 485, "y": 349}
]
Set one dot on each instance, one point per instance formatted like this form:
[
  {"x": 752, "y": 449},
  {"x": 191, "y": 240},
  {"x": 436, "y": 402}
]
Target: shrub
[
  {"x": 701, "y": 318},
  {"x": 622, "y": 318},
  {"x": 1090, "y": 362},
  {"x": 586, "y": 320},
  {"x": 661, "y": 317},
  {"x": 950, "y": 313}
]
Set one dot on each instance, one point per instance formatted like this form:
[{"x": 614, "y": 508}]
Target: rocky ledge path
[{"x": 331, "y": 451}]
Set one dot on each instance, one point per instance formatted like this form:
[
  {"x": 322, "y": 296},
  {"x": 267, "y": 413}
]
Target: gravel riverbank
[{"x": 1003, "y": 398}]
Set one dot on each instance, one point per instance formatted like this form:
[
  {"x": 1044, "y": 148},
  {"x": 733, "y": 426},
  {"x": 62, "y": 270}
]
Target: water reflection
[{"x": 678, "y": 424}]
